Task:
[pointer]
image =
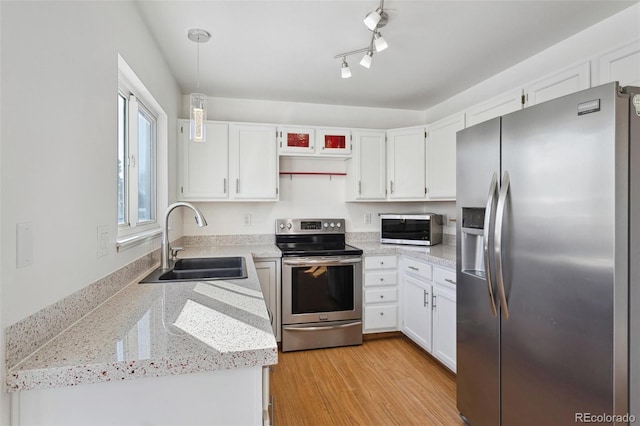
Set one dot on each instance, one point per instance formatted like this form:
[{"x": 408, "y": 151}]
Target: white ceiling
[{"x": 284, "y": 50}]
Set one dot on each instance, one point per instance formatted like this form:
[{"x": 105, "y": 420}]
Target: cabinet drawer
[
  {"x": 380, "y": 262},
  {"x": 377, "y": 317},
  {"x": 380, "y": 278},
  {"x": 417, "y": 268},
  {"x": 444, "y": 277},
  {"x": 381, "y": 295}
]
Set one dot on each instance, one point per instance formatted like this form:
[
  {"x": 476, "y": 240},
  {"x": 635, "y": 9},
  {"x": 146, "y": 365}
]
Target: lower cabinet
[
  {"x": 268, "y": 270},
  {"x": 380, "y": 294},
  {"x": 428, "y": 309}
]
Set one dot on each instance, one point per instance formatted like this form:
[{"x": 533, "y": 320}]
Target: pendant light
[{"x": 198, "y": 101}]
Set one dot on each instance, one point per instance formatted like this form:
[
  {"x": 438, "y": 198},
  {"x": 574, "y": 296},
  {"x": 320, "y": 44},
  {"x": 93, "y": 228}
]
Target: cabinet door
[
  {"x": 441, "y": 157},
  {"x": 296, "y": 140},
  {"x": 622, "y": 65},
  {"x": 495, "y": 107},
  {"x": 369, "y": 165},
  {"x": 444, "y": 326},
  {"x": 204, "y": 167},
  {"x": 253, "y": 162},
  {"x": 268, "y": 276},
  {"x": 416, "y": 311},
  {"x": 406, "y": 164},
  {"x": 562, "y": 83},
  {"x": 333, "y": 141}
]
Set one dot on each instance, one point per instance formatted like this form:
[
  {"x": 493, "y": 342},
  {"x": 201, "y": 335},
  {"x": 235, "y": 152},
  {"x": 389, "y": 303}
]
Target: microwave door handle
[
  {"x": 502, "y": 200},
  {"x": 486, "y": 233}
]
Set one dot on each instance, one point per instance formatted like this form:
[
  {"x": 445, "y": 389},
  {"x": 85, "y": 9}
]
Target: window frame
[{"x": 138, "y": 99}]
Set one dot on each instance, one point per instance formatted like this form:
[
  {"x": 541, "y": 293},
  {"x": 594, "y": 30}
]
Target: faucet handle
[{"x": 174, "y": 252}]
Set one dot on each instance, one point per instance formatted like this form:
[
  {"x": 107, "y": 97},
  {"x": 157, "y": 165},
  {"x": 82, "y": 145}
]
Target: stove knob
[
  {"x": 282, "y": 226},
  {"x": 338, "y": 224},
  {"x": 289, "y": 225},
  {"x": 326, "y": 225},
  {"x": 333, "y": 225}
]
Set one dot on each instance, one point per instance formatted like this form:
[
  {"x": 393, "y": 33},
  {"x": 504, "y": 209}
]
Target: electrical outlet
[
  {"x": 367, "y": 218},
  {"x": 103, "y": 240},
  {"x": 247, "y": 219}
]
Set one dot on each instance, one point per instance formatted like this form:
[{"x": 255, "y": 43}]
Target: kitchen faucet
[{"x": 164, "y": 249}]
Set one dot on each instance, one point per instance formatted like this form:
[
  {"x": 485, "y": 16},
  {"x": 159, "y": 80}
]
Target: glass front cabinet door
[
  {"x": 296, "y": 140},
  {"x": 333, "y": 141}
]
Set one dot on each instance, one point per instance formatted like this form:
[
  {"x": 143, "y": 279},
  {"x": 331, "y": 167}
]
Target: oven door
[{"x": 320, "y": 289}]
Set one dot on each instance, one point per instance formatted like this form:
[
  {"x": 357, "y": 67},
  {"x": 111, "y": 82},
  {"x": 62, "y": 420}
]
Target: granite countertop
[
  {"x": 441, "y": 254},
  {"x": 152, "y": 330}
]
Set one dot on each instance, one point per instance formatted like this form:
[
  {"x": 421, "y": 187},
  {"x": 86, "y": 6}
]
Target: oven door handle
[
  {"x": 329, "y": 327},
  {"x": 322, "y": 261}
]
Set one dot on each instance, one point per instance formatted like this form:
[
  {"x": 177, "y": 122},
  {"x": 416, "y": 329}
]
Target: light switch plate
[{"x": 24, "y": 244}]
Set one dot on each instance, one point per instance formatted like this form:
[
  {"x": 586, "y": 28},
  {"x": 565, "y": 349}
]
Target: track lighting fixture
[{"x": 374, "y": 21}]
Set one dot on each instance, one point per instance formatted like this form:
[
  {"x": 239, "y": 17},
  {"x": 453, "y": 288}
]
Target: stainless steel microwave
[{"x": 422, "y": 229}]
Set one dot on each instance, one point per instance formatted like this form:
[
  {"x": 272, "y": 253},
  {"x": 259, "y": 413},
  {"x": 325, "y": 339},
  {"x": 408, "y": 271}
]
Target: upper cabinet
[
  {"x": 309, "y": 140},
  {"x": 406, "y": 161},
  {"x": 562, "y": 83},
  {"x": 236, "y": 162},
  {"x": 253, "y": 162},
  {"x": 205, "y": 165},
  {"x": 495, "y": 107},
  {"x": 622, "y": 64},
  {"x": 441, "y": 157},
  {"x": 366, "y": 170}
]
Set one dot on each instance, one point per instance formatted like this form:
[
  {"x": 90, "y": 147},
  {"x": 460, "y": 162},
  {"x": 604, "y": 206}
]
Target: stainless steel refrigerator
[{"x": 547, "y": 262}]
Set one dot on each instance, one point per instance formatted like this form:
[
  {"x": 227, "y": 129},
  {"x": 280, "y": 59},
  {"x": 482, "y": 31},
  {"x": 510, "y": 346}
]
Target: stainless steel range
[{"x": 321, "y": 285}]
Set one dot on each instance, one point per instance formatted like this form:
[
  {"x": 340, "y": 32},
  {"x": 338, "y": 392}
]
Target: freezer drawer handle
[
  {"x": 502, "y": 199},
  {"x": 493, "y": 188}
]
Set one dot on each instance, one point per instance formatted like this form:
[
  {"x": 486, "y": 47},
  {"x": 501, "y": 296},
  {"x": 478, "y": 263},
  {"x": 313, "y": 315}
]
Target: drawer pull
[
  {"x": 382, "y": 296},
  {"x": 450, "y": 281},
  {"x": 381, "y": 314},
  {"x": 381, "y": 279},
  {"x": 381, "y": 263},
  {"x": 414, "y": 268}
]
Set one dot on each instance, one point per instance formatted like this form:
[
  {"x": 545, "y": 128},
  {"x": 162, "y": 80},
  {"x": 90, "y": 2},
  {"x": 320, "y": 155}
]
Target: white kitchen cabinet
[
  {"x": 562, "y": 83},
  {"x": 406, "y": 164},
  {"x": 441, "y": 157},
  {"x": 332, "y": 141},
  {"x": 443, "y": 305},
  {"x": 366, "y": 170},
  {"x": 495, "y": 107},
  {"x": 204, "y": 165},
  {"x": 296, "y": 140},
  {"x": 416, "y": 301},
  {"x": 253, "y": 162},
  {"x": 622, "y": 65},
  {"x": 380, "y": 294},
  {"x": 269, "y": 271}
]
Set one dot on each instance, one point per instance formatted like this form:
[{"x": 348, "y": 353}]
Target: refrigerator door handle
[
  {"x": 493, "y": 188},
  {"x": 502, "y": 199}
]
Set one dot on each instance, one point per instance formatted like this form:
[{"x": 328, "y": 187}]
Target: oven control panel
[{"x": 309, "y": 226}]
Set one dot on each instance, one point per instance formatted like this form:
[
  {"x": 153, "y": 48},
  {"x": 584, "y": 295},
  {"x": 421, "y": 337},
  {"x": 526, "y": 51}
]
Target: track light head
[
  {"x": 379, "y": 42},
  {"x": 372, "y": 19},
  {"x": 346, "y": 71},
  {"x": 366, "y": 59}
]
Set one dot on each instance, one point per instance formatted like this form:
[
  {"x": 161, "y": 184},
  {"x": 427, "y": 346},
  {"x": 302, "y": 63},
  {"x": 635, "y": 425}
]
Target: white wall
[
  {"x": 59, "y": 142},
  {"x": 615, "y": 31}
]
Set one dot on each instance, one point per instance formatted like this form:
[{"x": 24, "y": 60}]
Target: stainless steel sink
[{"x": 201, "y": 269}]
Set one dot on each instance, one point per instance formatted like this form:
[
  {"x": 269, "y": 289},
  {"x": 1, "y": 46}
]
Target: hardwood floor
[{"x": 386, "y": 381}]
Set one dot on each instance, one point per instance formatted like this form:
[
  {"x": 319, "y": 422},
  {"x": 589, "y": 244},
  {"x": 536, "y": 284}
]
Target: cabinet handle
[
  {"x": 360, "y": 187},
  {"x": 381, "y": 296},
  {"x": 413, "y": 268},
  {"x": 391, "y": 182},
  {"x": 381, "y": 263},
  {"x": 237, "y": 186},
  {"x": 381, "y": 314},
  {"x": 450, "y": 281},
  {"x": 381, "y": 279},
  {"x": 224, "y": 185},
  {"x": 433, "y": 301},
  {"x": 425, "y": 298}
]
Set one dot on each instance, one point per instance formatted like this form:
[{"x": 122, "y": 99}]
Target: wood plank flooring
[{"x": 386, "y": 381}]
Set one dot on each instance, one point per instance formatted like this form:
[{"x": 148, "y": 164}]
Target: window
[{"x": 141, "y": 167}]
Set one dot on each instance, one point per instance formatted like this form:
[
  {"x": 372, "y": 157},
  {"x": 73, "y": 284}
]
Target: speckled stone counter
[
  {"x": 442, "y": 254},
  {"x": 152, "y": 330}
]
